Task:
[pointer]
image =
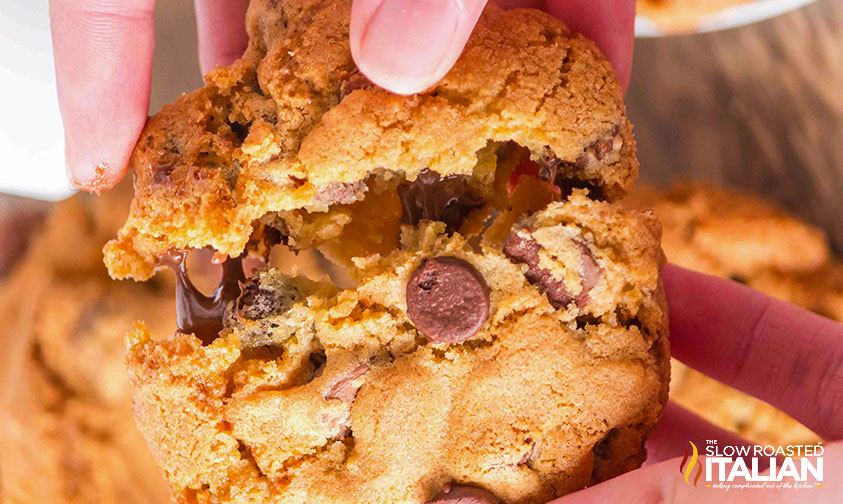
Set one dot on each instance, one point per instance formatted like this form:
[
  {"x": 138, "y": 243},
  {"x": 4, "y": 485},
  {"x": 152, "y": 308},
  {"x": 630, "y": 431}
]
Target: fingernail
[
  {"x": 95, "y": 182},
  {"x": 406, "y": 43}
]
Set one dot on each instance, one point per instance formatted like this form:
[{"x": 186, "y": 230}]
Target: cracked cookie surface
[
  {"x": 292, "y": 129},
  {"x": 314, "y": 393}
]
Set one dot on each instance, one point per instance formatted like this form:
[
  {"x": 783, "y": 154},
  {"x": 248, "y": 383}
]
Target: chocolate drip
[
  {"x": 195, "y": 312},
  {"x": 433, "y": 197}
]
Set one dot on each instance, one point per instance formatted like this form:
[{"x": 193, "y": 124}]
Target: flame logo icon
[{"x": 687, "y": 470}]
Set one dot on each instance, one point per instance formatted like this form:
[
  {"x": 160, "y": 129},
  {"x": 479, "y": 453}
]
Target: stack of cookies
[{"x": 500, "y": 335}]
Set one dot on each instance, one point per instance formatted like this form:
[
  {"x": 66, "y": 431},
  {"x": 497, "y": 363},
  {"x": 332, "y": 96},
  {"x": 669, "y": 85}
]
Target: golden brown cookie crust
[
  {"x": 346, "y": 401},
  {"x": 273, "y": 132}
]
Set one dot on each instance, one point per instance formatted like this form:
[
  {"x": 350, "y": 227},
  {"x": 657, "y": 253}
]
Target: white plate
[{"x": 728, "y": 18}]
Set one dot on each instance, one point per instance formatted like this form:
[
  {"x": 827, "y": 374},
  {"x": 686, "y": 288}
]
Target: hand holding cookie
[
  {"x": 773, "y": 350},
  {"x": 103, "y": 50}
]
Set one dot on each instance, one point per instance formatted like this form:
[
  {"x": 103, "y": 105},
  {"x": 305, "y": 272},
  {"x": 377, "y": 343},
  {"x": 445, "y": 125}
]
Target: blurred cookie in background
[
  {"x": 69, "y": 433},
  {"x": 723, "y": 232}
]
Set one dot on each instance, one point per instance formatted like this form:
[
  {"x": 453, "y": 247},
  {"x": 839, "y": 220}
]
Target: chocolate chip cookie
[
  {"x": 452, "y": 371},
  {"x": 500, "y": 335},
  {"x": 293, "y": 139}
]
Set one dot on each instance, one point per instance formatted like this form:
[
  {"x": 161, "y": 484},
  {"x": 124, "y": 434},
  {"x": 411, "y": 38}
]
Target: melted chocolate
[
  {"x": 354, "y": 81},
  {"x": 560, "y": 173},
  {"x": 563, "y": 173},
  {"x": 195, "y": 312},
  {"x": 522, "y": 250},
  {"x": 433, "y": 197}
]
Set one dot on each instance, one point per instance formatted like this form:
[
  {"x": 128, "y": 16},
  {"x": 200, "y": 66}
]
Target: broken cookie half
[
  {"x": 501, "y": 373},
  {"x": 292, "y": 140}
]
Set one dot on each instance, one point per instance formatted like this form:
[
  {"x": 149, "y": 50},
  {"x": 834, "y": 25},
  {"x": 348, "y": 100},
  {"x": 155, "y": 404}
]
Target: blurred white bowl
[{"x": 731, "y": 17}]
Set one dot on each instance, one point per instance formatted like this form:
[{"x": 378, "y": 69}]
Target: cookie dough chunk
[
  {"x": 291, "y": 137},
  {"x": 452, "y": 372}
]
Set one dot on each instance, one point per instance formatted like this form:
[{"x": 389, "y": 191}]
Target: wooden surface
[{"x": 759, "y": 107}]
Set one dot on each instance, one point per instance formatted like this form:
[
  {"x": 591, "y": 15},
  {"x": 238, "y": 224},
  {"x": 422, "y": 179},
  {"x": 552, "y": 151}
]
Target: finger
[
  {"x": 772, "y": 350},
  {"x": 609, "y": 23},
  {"x": 407, "y": 45},
  {"x": 677, "y": 428},
  {"x": 663, "y": 482},
  {"x": 103, "y": 56},
  {"x": 222, "y": 31}
]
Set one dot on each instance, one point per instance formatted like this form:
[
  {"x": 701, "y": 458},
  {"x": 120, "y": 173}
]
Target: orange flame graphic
[{"x": 688, "y": 470}]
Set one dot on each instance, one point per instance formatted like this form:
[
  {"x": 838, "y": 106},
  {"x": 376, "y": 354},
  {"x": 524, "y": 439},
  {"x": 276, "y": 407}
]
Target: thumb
[
  {"x": 663, "y": 482},
  {"x": 406, "y": 46}
]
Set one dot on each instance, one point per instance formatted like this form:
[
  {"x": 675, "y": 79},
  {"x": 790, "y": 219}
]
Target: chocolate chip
[
  {"x": 464, "y": 494},
  {"x": 562, "y": 174},
  {"x": 602, "y": 147},
  {"x": 531, "y": 454},
  {"x": 197, "y": 313},
  {"x": 161, "y": 173},
  {"x": 354, "y": 81},
  {"x": 522, "y": 250},
  {"x": 433, "y": 197},
  {"x": 447, "y": 300},
  {"x": 345, "y": 389},
  {"x": 589, "y": 274},
  {"x": 261, "y": 299}
]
